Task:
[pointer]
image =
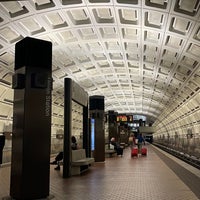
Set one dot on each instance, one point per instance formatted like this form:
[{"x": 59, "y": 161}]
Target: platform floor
[{"x": 157, "y": 176}]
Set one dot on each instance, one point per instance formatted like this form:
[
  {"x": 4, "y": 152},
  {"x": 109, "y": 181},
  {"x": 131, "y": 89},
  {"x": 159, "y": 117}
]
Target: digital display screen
[{"x": 124, "y": 118}]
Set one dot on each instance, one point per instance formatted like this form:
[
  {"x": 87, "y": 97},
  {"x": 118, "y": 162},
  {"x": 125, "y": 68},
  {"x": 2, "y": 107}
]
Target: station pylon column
[
  {"x": 96, "y": 109},
  {"x": 31, "y": 138}
]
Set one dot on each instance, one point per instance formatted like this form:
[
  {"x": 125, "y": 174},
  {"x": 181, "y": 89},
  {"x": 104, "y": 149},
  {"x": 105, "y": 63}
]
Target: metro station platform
[{"x": 157, "y": 176}]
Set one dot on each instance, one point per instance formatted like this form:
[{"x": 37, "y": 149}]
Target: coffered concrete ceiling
[{"x": 142, "y": 55}]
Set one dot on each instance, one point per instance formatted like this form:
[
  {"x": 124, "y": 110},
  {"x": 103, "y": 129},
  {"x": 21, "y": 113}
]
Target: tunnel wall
[{"x": 179, "y": 127}]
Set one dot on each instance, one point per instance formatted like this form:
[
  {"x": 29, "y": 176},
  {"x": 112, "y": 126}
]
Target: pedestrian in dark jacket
[{"x": 140, "y": 140}]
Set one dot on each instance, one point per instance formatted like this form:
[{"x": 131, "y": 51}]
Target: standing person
[
  {"x": 140, "y": 140},
  {"x": 117, "y": 147},
  {"x": 131, "y": 140},
  {"x": 2, "y": 144},
  {"x": 60, "y": 155}
]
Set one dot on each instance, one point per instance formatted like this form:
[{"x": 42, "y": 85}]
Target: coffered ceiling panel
[{"x": 143, "y": 56}]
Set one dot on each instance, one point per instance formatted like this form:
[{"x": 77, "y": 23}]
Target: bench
[
  {"x": 109, "y": 149},
  {"x": 110, "y": 152},
  {"x": 80, "y": 163}
]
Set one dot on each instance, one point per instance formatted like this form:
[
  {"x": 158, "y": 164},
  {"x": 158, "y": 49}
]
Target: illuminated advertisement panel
[{"x": 92, "y": 134}]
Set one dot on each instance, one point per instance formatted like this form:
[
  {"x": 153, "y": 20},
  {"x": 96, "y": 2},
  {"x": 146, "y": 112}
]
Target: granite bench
[{"x": 80, "y": 162}]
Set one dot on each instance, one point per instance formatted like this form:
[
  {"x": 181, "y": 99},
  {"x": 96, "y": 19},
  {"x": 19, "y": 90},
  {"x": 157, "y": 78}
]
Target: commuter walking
[
  {"x": 131, "y": 140},
  {"x": 140, "y": 140}
]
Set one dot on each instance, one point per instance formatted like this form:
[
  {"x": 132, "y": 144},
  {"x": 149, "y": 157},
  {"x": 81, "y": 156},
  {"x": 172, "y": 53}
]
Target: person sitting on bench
[
  {"x": 59, "y": 157},
  {"x": 117, "y": 147}
]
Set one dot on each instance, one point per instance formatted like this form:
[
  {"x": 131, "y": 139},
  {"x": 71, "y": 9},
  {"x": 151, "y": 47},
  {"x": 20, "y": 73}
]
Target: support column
[
  {"x": 32, "y": 84},
  {"x": 73, "y": 92},
  {"x": 112, "y": 125},
  {"x": 86, "y": 134},
  {"x": 67, "y": 127},
  {"x": 96, "y": 107}
]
